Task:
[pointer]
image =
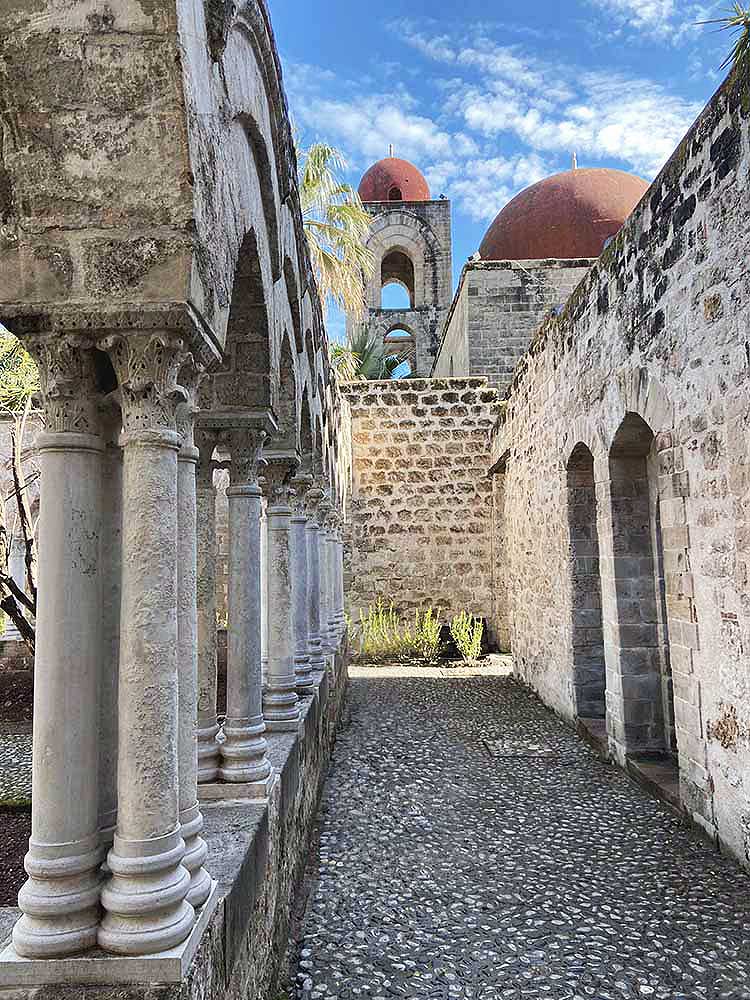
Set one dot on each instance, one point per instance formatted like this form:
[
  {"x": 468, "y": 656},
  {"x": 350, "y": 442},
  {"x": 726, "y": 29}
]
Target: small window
[
  {"x": 395, "y": 194},
  {"x": 451, "y": 371}
]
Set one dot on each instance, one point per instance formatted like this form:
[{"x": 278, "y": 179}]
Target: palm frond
[
  {"x": 337, "y": 227},
  {"x": 737, "y": 21},
  {"x": 19, "y": 376}
]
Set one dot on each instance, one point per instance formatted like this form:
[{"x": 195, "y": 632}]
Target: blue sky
[{"x": 489, "y": 97}]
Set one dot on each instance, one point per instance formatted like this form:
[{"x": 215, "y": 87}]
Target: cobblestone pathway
[
  {"x": 15, "y": 767},
  {"x": 473, "y": 847}
]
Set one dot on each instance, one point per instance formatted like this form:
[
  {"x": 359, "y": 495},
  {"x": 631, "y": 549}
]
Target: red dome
[
  {"x": 567, "y": 215},
  {"x": 392, "y": 179}
]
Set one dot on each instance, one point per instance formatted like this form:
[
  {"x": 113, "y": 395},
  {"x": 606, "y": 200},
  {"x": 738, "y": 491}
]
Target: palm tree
[
  {"x": 363, "y": 357},
  {"x": 337, "y": 227},
  {"x": 19, "y": 377},
  {"x": 736, "y": 20}
]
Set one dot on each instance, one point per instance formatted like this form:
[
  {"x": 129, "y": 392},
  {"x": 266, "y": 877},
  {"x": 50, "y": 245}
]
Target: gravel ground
[{"x": 472, "y": 846}]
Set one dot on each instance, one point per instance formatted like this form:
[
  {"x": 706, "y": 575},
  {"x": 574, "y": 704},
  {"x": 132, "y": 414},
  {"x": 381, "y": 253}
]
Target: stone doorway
[
  {"x": 589, "y": 673},
  {"x": 642, "y": 706}
]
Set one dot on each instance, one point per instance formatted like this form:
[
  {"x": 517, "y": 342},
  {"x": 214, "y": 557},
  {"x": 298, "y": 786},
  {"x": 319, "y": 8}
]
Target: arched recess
[
  {"x": 285, "y": 398},
  {"x": 244, "y": 379},
  {"x": 310, "y": 354},
  {"x": 641, "y": 707},
  {"x": 306, "y": 436},
  {"x": 397, "y": 268},
  {"x": 265, "y": 173},
  {"x": 294, "y": 304},
  {"x": 589, "y": 671},
  {"x": 406, "y": 232}
]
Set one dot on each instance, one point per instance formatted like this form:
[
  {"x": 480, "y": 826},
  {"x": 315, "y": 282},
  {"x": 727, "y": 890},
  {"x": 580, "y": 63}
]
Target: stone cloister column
[
  {"x": 327, "y": 641},
  {"x": 191, "y": 819},
  {"x": 60, "y": 900},
  {"x": 243, "y": 752},
  {"x": 337, "y": 611},
  {"x": 339, "y": 560},
  {"x": 111, "y": 572},
  {"x": 317, "y": 656},
  {"x": 280, "y": 702},
  {"x": 302, "y": 665},
  {"x": 208, "y": 726},
  {"x": 264, "y": 592},
  {"x": 145, "y": 903}
]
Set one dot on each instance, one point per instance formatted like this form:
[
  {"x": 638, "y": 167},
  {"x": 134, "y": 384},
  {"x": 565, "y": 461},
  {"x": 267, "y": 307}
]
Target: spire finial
[
  {"x": 575, "y": 161},
  {"x": 390, "y": 150}
]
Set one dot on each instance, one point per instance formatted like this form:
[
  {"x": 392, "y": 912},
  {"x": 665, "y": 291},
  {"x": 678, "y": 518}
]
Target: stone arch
[
  {"x": 286, "y": 396},
  {"x": 265, "y": 173},
  {"x": 404, "y": 232},
  {"x": 306, "y": 433},
  {"x": 244, "y": 379},
  {"x": 587, "y": 634},
  {"x": 636, "y": 627},
  {"x": 397, "y": 267},
  {"x": 294, "y": 304}
]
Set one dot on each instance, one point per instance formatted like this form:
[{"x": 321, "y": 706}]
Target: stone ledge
[
  {"x": 97, "y": 968},
  {"x": 256, "y": 852}
]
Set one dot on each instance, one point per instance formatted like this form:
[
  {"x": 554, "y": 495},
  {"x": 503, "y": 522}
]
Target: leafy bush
[
  {"x": 383, "y": 636},
  {"x": 467, "y": 634},
  {"x": 427, "y": 634}
]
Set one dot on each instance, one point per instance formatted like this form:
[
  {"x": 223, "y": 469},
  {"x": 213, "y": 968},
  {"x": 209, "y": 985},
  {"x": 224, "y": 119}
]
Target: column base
[
  {"x": 60, "y": 899},
  {"x": 244, "y": 751},
  {"x": 209, "y": 759},
  {"x": 196, "y": 852},
  {"x": 145, "y": 903},
  {"x": 229, "y": 791},
  {"x": 281, "y": 707},
  {"x": 303, "y": 673},
  {"x": 100, "y": 969}
]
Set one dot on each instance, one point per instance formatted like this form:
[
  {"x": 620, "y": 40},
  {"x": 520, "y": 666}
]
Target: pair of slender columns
[{"x": 154, "y": 881}]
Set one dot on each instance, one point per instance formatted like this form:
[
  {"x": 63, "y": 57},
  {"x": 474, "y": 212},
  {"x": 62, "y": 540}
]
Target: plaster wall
[{"x": 658, "y": 329}]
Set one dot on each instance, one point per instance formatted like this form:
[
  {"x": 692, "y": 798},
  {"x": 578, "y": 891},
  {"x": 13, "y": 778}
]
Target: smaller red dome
[{"x": 392, "y": 179}]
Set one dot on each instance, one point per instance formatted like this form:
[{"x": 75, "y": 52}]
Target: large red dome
[
  {"x": 392, "y": 179},
  {"x": 564, "y": 216}
]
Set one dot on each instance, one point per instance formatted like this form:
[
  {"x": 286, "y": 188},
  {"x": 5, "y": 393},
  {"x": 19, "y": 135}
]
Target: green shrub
[
  {"x": 467, "y": 630},
  {"x": 383, "y": 636},
  {"x": 427, "y": 634}
]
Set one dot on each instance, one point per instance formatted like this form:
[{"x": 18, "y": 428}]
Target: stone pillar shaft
[
  {"x": 317, "y": 660},
  {"x": 145, "y": 898},
  {"x": 243, "y": 752},
  {"x": 280, "y": 701},
  {"x": 111, "y": 572},
  {"x": 264, "y": 594},
  {"x": 191, "y": 819},
  {"x": 60, "y": 900},
  {"x": 208, "y": 726},
  {"x": 302, "y": 666}
]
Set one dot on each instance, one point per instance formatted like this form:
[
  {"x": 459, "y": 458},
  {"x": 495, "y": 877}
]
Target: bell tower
[{"x": 411, "y": 241}]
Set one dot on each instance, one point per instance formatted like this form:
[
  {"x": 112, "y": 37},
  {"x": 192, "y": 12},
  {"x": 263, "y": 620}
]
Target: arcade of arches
[{"x": 577, "y": 474}]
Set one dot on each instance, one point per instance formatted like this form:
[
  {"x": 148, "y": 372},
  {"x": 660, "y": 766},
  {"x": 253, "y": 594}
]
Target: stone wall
[
  {"x": 635, "y": 404},
  {"x": 420, "y": 518},
  {"x": 497, "y": 308},
  {"x": 421, "y": 230}
]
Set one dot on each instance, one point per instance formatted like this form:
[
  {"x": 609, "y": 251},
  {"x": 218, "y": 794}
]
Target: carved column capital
[
  {"x": 312, "y": 498},
  {"x": 300, "y": 484},
  {"x": 189, "y": 379},
  {"x": 147, "y": 365},
  {"x": 246, "y": 446},
  {"x": 280, "y": 468},
  {"x": 205, "y": 441},
  {"x": 68, "y": 383}
]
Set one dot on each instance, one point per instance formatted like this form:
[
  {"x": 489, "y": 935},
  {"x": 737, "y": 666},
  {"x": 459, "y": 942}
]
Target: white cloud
[{"x": 652, "y": 16}]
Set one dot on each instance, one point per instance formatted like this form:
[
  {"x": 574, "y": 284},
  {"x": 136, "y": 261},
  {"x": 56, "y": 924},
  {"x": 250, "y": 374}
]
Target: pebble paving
[
  {"x": 15, "y": 767},
  {"x": 472, "y": 846}
]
